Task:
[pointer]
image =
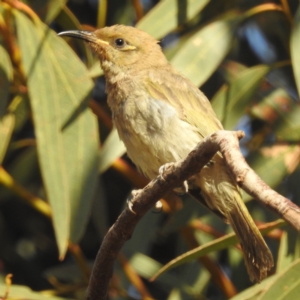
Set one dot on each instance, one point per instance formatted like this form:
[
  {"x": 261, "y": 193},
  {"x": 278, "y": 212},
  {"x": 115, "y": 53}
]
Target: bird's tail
[
  {"x": 222, "y": 196},
  {"x": 258, "y": 257}
]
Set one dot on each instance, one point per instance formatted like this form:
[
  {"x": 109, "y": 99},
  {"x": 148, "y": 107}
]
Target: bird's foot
[
  {"x": 130, "y": 202},
  {"x": 181, "y": 190},
  {"x": 157, "y": 207},
  {"x": 163, "y": 169}
]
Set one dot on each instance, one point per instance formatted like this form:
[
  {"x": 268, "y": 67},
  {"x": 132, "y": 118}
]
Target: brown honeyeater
[{"x": 161, "y": 116}]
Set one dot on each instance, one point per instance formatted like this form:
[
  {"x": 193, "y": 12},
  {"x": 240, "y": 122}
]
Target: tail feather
[
  {"x": 258, "y": 257},
  {"x": 221, "y": 194}
]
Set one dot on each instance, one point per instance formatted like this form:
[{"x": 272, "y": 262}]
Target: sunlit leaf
[
  {"x": 253, "y": 292},
  {"x": 23, "y": 292},
  {"x": 66, "y": 131},
  {"x": 175, "y": 295},
  {"x": 201, "y": 54},
  {"x": 6, "y": 74},
  {"x": 112, "y": 149},
  {"x": 6, "y": 128},
  {"x": 295, "y": 46},
  {"x": 286, "y": 286},
  {"x": 171, "y": 14},
  {"x": 95, "y": 70},
  {"x": 287, "y": 253},
  {"x": 216, "y": 245},
  {"x": 235, "y": 99}
]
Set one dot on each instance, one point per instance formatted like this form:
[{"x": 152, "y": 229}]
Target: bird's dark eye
[{"x": 119, "y": 42}]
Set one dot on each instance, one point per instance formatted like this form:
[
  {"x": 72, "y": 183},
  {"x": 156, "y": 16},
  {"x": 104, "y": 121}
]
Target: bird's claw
[
  {"x": 181, "y": 190},
  {"x": 157, "y": 207},
  {"x": 130, "y": 202},
  {"x": 163, "y": 169}
]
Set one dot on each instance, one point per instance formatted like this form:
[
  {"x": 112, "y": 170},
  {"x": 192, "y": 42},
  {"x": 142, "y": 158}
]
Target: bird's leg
[{"x": 181, "y": 190}]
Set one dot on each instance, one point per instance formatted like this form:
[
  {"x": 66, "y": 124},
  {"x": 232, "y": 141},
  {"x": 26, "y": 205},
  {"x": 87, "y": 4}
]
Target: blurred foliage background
[{"x": 64, "y": 174}]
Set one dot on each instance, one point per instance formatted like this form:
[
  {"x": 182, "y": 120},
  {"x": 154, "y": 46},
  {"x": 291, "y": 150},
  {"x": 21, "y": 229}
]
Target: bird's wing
[{"x": 191, "y": 104}]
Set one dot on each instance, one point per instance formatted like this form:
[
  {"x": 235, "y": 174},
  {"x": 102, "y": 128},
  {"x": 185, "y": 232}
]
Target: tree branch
[{"x": 174, "y": 174}]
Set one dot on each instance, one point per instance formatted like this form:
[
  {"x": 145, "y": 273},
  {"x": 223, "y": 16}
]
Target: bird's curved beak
[{"x": 88, "y": 36}]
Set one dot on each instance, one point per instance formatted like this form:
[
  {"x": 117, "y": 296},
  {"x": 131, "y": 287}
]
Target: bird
[{"x": 161, "y": 116}]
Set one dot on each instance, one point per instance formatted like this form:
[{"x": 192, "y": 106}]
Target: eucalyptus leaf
[
  {"x": 216, "y": 245},
  {"x": 6, "y": 75},
  {"x": 286, "y": 286},
  {"x": 235, "y": 99},
  {"x": 171, "y": 14},
  {"x": 6, "y": 128},
  {"x": 23, "y": 292},
  {"x": 112, "y": 149},
  {"x": 66, "y": 131},
  {"x": 202, "y": 53},
  {"x": 295, "y": 46}
]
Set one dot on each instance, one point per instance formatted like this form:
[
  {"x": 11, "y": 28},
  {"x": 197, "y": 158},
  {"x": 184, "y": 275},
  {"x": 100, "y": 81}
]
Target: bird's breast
[{"x": 152, "y": 132}]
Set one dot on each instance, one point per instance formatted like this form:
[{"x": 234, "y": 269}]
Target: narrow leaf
[
  {"x": 202, "y": 53},
  {"x": 171, "y": 14},
  {"x": 286, "y": 286},
  {"x": 6, "y": 129},
  {"x": 23, "y": 292},
  {"x": 112, "y": 149},
  {"x": 66, "y": 131},
  {"x": 235, "y": 99},
  {"x": 6, "y": 74},
  {"x": 216, "y": 245},
  {"x": 295, "y": 46}
]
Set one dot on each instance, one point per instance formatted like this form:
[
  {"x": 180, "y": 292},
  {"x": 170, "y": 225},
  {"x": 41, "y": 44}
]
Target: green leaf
[
  {"x": 286, "y": 286},
  {"x": 175, "y": 295},
  {"x": 6, "y": 75},
  {"x": 21, "y": 109},
  {"x": 295, "y": 46},
  {"x": 253, "y": 292},
  {"x": 23, "y": 292},
  {"x": 95, "y": 70},
  {"x": 6, "y": 128},
  {"x": 234, "y": 100},
  {"x": 288, "y": 249},
  {"x": 112, "y": 149},
  {"x": 66, "y": 131},
  {"x": 216, "y": 245},
  {"x": 202, "y": 53},
  {"x": 171, "y": 14}
]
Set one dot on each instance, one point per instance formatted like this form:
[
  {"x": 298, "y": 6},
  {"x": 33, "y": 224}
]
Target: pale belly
[{"x": 154, "y": 134}]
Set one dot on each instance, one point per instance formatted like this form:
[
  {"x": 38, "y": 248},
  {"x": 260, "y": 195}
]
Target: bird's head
[{"x": 122, "y": 46}]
